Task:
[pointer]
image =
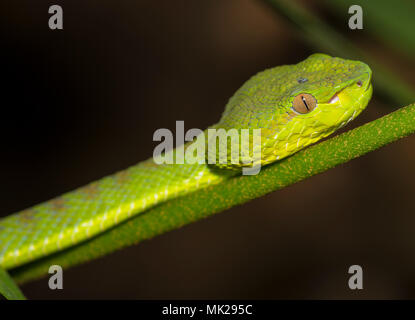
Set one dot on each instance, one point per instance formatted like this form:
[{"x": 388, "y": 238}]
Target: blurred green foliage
[
  {"x": 389, "y": 21},
  {"x": 323, "y": 37}
]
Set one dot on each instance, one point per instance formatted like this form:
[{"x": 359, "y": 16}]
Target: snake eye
[{"x": 304, "y": 103}]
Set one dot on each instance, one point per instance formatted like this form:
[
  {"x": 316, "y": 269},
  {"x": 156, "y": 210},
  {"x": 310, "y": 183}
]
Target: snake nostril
[{"x": 359, "y": 83}]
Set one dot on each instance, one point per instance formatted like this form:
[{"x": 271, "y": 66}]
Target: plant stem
[{"x": 200, "y": 204}]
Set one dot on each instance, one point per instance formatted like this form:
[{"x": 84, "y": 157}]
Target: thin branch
[{"x": 200, "y": 204}]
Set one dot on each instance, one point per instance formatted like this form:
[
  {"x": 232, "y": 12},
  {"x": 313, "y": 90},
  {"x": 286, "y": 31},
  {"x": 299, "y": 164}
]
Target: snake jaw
[{"x": 334, "y": 99}]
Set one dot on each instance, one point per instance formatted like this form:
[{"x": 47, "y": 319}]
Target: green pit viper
[{"x": 293, "y": 105}]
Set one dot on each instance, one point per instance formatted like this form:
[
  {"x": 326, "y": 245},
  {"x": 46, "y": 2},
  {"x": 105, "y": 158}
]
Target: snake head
[{"x": 297, "y": 105}]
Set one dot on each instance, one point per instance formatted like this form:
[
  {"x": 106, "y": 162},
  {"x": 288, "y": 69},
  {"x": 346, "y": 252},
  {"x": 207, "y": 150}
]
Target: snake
[{"x": 293, "y": 106}]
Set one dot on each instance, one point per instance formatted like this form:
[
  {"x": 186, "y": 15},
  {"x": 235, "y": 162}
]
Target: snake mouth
[
  {"x": 334, "y": 99},
  {"x": 361, "y": 84}
]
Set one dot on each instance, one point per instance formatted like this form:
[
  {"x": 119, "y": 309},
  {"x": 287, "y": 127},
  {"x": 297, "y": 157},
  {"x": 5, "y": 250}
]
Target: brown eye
[
  {"x": 304, "y": 103},
  {"x": 359, "y": 83}
]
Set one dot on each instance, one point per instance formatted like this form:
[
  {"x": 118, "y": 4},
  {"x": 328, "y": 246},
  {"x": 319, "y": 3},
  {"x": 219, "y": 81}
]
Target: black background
[{"x": 84, "y": 102}]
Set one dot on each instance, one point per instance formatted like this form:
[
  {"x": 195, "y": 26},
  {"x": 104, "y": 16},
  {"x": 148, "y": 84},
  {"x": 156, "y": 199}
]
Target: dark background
[{"x": 84, "y": 102}]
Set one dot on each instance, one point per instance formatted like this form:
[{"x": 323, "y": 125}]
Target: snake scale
[{"x": 293, "y": 105}]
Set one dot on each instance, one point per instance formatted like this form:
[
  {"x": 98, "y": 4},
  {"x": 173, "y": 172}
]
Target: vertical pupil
[{"x": 305, "y": 103}]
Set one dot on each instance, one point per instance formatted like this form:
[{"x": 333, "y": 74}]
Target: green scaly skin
[{"x": 263, "y": 102}]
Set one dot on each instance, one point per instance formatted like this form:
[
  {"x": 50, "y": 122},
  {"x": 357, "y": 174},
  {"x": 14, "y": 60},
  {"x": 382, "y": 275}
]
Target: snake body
[{"x": 339, "y": 88}]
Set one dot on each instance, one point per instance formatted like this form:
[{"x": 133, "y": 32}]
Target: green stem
[
  {"x": 176, "y": 213},
  {"x": 8, "y": 288}
]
